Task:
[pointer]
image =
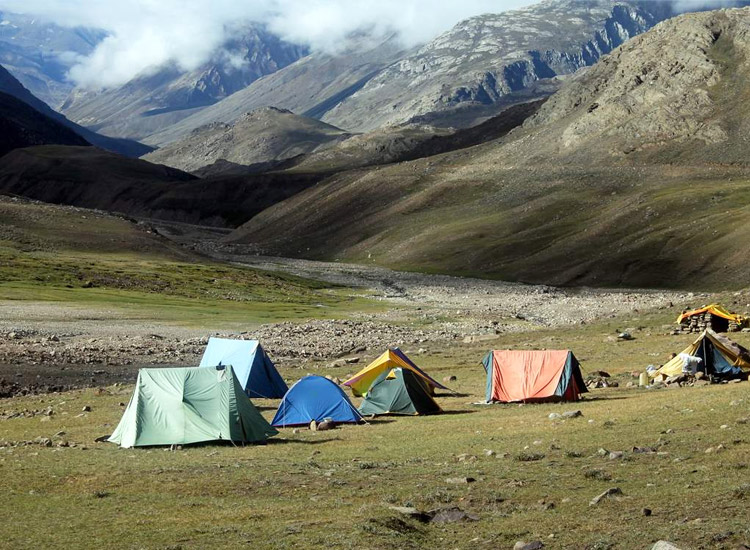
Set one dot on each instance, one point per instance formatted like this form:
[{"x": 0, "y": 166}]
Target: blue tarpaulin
[{"x": 252, "y": 367}]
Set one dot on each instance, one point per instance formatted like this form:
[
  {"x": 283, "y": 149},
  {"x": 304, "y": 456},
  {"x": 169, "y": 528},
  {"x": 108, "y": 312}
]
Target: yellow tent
[
  {"x": 720, "y": 356},
  {"x": 717, "y": 310},
  {"x": 361, "y": 382}
]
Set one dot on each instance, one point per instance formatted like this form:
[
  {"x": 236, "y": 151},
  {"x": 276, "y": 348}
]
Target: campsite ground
[{"x": 335, "y": 488}]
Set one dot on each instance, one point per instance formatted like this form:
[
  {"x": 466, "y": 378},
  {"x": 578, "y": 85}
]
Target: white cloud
[{"x": 144, "y": 34}]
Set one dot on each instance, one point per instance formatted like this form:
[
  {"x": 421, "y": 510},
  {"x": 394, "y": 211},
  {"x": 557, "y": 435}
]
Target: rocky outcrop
[{"x": 487, "y": 58}]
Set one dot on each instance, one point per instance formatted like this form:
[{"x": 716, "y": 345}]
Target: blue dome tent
[
  {"x": 252, "y": 367},
  {"x": 315, "y": 398}
]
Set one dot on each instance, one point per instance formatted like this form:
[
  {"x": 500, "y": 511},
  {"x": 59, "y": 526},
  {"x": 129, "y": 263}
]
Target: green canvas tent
[
  {"x": 189, "y": 405},
  {"x": 399, "y": 391}
]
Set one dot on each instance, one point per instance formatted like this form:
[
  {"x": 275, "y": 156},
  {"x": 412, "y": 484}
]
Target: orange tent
[{"x": 514, "y": 376}]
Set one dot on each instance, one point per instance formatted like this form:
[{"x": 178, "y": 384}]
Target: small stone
[
  {"x": 646, "y": 512},
  {"x": 614, "y": 491},
  {"x": 572, "y": 414},
  {"x": 664, "y": 545},
  {"x": 615, "y": 455},
  {"x": 723, "y": 427},
  {"x": 534, "y": 545},
  {"x": 326, "y": 425},
  {"x": 489, "y": 452},
  {"x": 86, "y": 408},
  {"x": 460, "y": 480},
  {"x": 554, "y": 416},
  {"x": 451, "y": 515},
  {"x": 450, "y": 378},
  {"x": 602, "y": 452}
]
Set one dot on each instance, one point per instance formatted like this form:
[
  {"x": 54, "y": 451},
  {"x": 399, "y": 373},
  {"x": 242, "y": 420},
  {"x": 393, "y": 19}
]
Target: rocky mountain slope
[
  {"x": 39, "y": 54},
  {"x": 23, "y": 126},
  {"x": 262, "y": 135},
  {"x": 310, "y": 87},
  {"x": 483, "y": 64},
  {"x": 11, "y": 86},
  {"x": 158, "y": 99},
  {"x": 633, "y": 174}
]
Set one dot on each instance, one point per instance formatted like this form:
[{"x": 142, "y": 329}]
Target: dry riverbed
[{"x": 49, "y": 346}]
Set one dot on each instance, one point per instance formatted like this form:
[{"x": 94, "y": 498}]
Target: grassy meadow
[
  {"x": 82, "y": 258},
  {"x": 334, "y": 489}
]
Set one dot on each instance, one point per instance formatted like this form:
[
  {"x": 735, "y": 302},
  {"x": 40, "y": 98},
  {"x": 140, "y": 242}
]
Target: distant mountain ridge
[
  {"x": 462, "y": 77},
  {"x": 11, "y": 86},
  {"x": 160, "y": 98},
  {"x": 23, "y": 126},
  {"x": 40, "y": 54}
]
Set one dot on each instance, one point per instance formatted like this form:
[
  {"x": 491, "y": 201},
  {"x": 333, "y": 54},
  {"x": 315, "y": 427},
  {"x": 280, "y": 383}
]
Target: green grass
[
  {"x": 333, "y": 489},
  {"x": 86, "y": 259}
]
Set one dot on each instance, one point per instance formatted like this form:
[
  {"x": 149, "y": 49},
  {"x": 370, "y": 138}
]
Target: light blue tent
[
  {"x": 252, "y": 367},
  {"x": 315, "y": 398}
]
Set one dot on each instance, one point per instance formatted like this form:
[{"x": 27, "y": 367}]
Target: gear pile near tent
[
  {"x": 315, "y": 398},
  {"x": 189, "y": 405},
  {"x": 255, "y": 371},
  {"x": 714, "y": 317},
  {"x": 532, "y": 376},
  {"x": 399, "y": 391},
  {"x": 361, "y": 382},
  {"x": 721, "y": 357}
]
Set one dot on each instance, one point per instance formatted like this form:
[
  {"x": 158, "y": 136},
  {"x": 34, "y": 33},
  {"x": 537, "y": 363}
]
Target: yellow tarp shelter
[
  {"x": 720, "y": 356},
  {"x": 394, "y": 358},
  {"x": 717, "y": 310}
]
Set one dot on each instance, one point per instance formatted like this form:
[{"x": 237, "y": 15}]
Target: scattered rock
[
  {"x": 554, "y": 416},
  {"x": 664, "y": 545},
  {"x": 616, "y": 455},
  {"x": 86, "y": 408},
  {"x": 451, "y": 515},
  {"x": 572, "y": 414},
  {"x": 412, "y": 513},
  {"x": 534, "y": 545},
  {"x": 646, "y": 512},
  {"x": 609, "y": 493},
  {"x": 450, "y": 378},
  {"x": 326, "y": 425},
  {"x": 460, "y": 480}
]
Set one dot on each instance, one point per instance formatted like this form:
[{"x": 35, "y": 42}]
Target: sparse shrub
[
  {"x": 597, "y": 474},
  {"x": 743, "y": 491},
  {"x": 529, "y": 457}
]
